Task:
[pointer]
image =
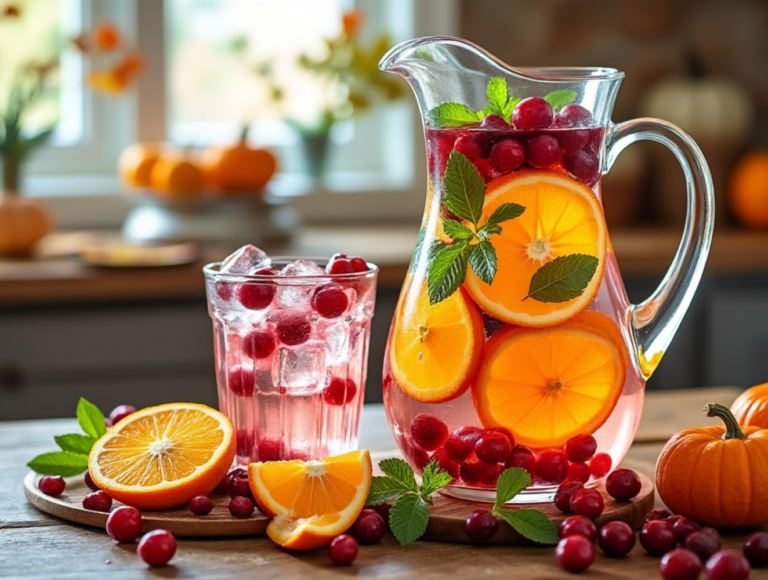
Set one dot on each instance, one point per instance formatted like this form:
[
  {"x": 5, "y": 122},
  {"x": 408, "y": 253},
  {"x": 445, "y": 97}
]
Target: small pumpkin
[
  {"x": 173, "y": 175},
  {"x": 751, "y": 407},
  {"x": 136, "y": 162},
  {"x": 238, "y": 167},
  {"x": 23, "y": 223},
  {"x": 748, "y": 190},
  {"x": 716, "y": 476}
]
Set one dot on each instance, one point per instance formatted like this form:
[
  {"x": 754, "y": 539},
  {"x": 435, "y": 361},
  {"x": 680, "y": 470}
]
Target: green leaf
[
  {"x": 511, "y": 104},
  {"x": 432, "y": 479},
  {"x": 408, "y": 518},
  {"x": 531, "y": 524},
  {"x": 562, "y": 279},
  {"x": 451, "y": 115},
  {"x": 399, "y": 471},
  {"x": 485, "y": 232},
  {"x": 75, "y": 443},
  {"x": 487, "y": 110},
  {"x": 510, "y": 483},
  {"x": 505, "y": 212},
  {"x": 91, "y": 419},
  {"x": 483, "y": 261},
  {"x": 384, "y": 489},
  {"x": 457, "y": 230},
  {"x": 559, "y": 99},
  {"x": 62, "y": 463},
  {"x": 464, "y": 188},
  {"x": 447, "y": 271},
  {"x": 497, "y": 93}
]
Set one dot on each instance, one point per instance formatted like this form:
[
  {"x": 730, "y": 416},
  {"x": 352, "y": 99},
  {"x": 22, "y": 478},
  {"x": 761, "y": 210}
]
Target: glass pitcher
[{"x": 514, "y": 343}]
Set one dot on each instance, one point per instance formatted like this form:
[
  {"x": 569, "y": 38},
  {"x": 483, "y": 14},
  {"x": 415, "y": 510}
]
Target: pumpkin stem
[
  {"x": 244, "y": 132},
  {"x": 732, "y": 429},
  {"x": 11, "y": 166}
]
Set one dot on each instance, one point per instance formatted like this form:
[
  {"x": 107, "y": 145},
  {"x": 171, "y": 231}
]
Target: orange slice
[
  {"x": 161, "y": 457},
  {"x": 548, "y": 384},
  {"x": 562, "y": 216},
  {"x": 436, "y": 349},
  {"x": 311, "y": 502}
]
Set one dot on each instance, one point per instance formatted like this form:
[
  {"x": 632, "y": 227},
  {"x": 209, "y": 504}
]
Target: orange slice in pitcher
[
  {"x": 548, "y": 384},
  {"x": 311, "y": 502},
  {"x": 562, "y": 217},
  {"x": 436, "y": 349}
]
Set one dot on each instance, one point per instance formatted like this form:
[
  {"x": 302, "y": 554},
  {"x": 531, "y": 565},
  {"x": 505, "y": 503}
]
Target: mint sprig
[
  {"x": 561, "y": 98},
  {"x": 75, "y": 447},
  {"x": 562, "y": 279},
  {"x": 529, "y": 523},
  {"x": 452, "y": 115},
  {"x": 409, "y": 515}
]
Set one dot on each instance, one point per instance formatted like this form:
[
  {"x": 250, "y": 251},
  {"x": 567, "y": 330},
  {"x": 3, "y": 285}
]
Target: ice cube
[
  {"x": 246, "y": 260},
  {"x": 336, "y": 342},
  {"x": 301, "y": 369},
  {"x": 296, "y": 292},
  {"x": 301, "y": 268}
]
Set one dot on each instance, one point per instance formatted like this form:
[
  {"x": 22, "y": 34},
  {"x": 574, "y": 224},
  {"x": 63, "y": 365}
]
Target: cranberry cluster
[{"x": 369, "y": 528}]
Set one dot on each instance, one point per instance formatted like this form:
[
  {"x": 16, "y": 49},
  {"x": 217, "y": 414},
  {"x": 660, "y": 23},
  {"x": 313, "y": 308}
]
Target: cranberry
[
  {"x": 755, "y": 549},
  {"x": 201, "y": 505},
  {"x": 257, "y": 295},
  {"x": 521, "y": 456},
  {"x": 492, "y": 448},
  {"x": 623, "y": 484},
  {"x": 657, "y": 537},
  {"x": 369, "y": 527},
  {"x": 157, "y": 547},
  {"x": 468, "y": 146},
  {"x": 578, "y": 526},
  {"x": 89, "y": 481},
  {"x": 239, "y": 487},
  {"x": 98, "y": 501},
  {"x": 573, "y": 116},
  {"x": 703, "y": 544},
  {"x": 491, "y": 325},
  {"x": 358, "y": 264},
  {"x": 343, "y": 549},
  {"x": 52, "y": 485},
  {"x": 683, "y": 527},
  {"x": 583, "y": 165},
  {"x": 680, "y": 564},
  {"x": 461, "y": 442},
  {"x": 727, "y": 565},
  {"x": 121, "y": 412},
  {"x": 573, "y": 139},
  {"x": 107, "y": 422},
  {"x": 580, "y": 447},
  {"x": 600, "y": 465},
  {"x": 551, "y": 467},
  {"x": 492, "y": 474},
  {"x": 485, "y": 169},
  {"x": 244, "y": 439},
  {"x": 339, "y": 391},
  {"x": 259, "y": 344},
  {"x": 544, "y": 151},
  {"x": 507, "y": 155},
  {"x": 532, "y": 113},
  {"x": 224, "y": 290},
  {"x": 241, "y": 507},
  {"x": 575, "y": 553},
  {"x": 587, "y": 502},
  {"x": 269, "y": 450},
  {"x": 124, "y": 524},
  {"x": 223, "y": 487},
  {"x": 563, "y": 495},
  {"x": 473, "y": 472},
  {"x": 241, "y": 381},
  {"x": 293, "y": 328},
  {"x": 495, "y": 122},
  {"x": 616, "y": 539},
  {"x": 481, "y": 526},
  {"x": 447, "y": 464},
  {"x": 578, "y": 471},
  {"x": 330, "y": 301},
  {"x": 657, "y": 514},
  {"x": 416, "y": 454},
  {"x": 339, "y": 264},
  {"x": 503, "y": 431},
  {"x": 428, "y": 431}
]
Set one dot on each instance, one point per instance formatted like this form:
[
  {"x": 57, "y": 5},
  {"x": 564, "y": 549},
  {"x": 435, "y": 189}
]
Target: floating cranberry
[
  {"x": 241, "y": 381},
  {"x": 343, "y": 549},
  {"x": 473, "y": 472},
  {"x": 416, "y": 454},
  {"x": 587, "y": 502},
  {"x": 578, "y": 526},
  {"x": 157, "y": 547},
  {"x": 201, "y": 505},
  {"x": 522, "y": 457},
  {"x": 124, "y": 524},
  {"x": 551, "y": 467},
  {"x": 544, "y": 151},
  {"x": 428, "y": 431},
  {"x": 224, "y": 290},
  {"x": 563, "y": 495},
  {"x": 244, "y": 441},
  {"x": 683, "y": 527},
  {"x": 657, "y": 514},
  {"x": 507, "y": 155},
  {"x": 330, "y": 301},
  {"x": 531, "y": 114},
  {"x": 755, "y": 549},
  {"x": 339, "y": 264},
  {"x": 369, "y": 527},
  {"x": 485, "y": 169},
  {"x": 680, "y": 564},
  {"x": 257, "y": 295},
  {"x": 339, "y": 391},
  {"x": 616, "y": 539},
  {"x": 580, "y": 447},
  {"x": 575, "y": 554},
  {"x": 573, "y": 140},
  {"x": 259, "y": 344},
  {"x": 492, "y": 448},
  {"x": 468, "y": 146},
  {"x": 481, "y": 525},
  {"x": 121, "y": 412},
  {"x": 494, "y": 122},
  {"x": 600, "y": 465},
  {"x": 657, "y": 537},
  {"x": 97, "y": 501},
  {"x": 358, "y": 264},
  {"x": 503, "y": 431},
  {"x": 582, "y": 165},
  {"x": 727, "y": 565},
  {"x": 703, "y": 543},
  {"x": 269, "y": 450},
  {"x": 293, "y": 328},
  {"x": 578, "y": 471},
  {"x": 462, "y": 442},
  {"x": 52, "y": 485},
  {"x": 89, "y": 481},
  {"x": 241, "y": 507},
  {"x": 623, "y": 484},
  {"x": 447, "y": 464},
  {"x": 573, "y": 116}
]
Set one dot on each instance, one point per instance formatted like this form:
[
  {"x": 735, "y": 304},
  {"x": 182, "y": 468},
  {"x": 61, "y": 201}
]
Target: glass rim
[{"x": 211, "y": 270}]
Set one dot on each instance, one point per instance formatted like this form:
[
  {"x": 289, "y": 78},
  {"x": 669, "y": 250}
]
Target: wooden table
[{"x": 34, "y": 545}]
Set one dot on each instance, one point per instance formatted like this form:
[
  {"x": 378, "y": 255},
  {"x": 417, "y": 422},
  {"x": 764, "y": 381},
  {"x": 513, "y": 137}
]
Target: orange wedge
[
  {"x": 436, "y": 349},
  {"x": 548, "y": 384},
  {"x": 161, "y": 457},
  {"x": 562, "y": 217},
  {"x": 311, "y": 502}
]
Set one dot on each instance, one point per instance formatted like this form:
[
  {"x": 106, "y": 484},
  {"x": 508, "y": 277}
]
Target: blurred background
[{"x": 122, "y": 120}]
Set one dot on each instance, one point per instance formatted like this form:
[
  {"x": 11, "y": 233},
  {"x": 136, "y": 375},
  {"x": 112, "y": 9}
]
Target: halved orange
[
  {"x": 161, "y": 457},
  {"x": 435, "y": 348},
  {"x": 562, "y": 217},
  {"x": 311, "y": 502},
  {"x": 548, "y": 384}
]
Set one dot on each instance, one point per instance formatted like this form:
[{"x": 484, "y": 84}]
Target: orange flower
[
  {"x": 108, "y": 37},
  {"x": 131, "y": 64},
  {"x": 110, "y": 81},
  {"x": 11, "y": 11},
  {"x": 351, "y": 21}
]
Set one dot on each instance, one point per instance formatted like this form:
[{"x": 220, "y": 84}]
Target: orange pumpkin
[
  {"x": 238, "y": 167},
  {"x": 748, "y": 190},
  {"x": 23, "y": 223},
  {"x": 136, "y": 163},
  {"x": 751, "y": 407},
  {"x": 716, "y": 476},
  {"x": 173, "y": 175}
]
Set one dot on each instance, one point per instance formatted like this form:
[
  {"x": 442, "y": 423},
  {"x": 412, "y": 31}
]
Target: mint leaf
[
  {"x": 559, "y": 99},
  {"x": 483, "y": 261},
  {"x": 531, "y": 524},
  {"x": 511, "y": 482},
  {"x": 464, "y": 188},
  {"x": 457, "y": 230},
  {"x": 408, "y": 518},
  {"x": 511, "y": 104},
  {"x": 497, "y": 93},
  {"x": 91, "y": 419},
  {"x": 447, "y": 271},
  {"x": 562, "y": 279},
  {"x": 432, "y": 479},
  {"x": 451, "y": 115},
  {"x": 75, "y": 443},
  {"x": 384, "y": 489},
  {"x": 505, "y": 212},
  {"x": 398, "y": 470},
  {"x": 487, "y": 110},
  {"x": 62, "y": 463}
]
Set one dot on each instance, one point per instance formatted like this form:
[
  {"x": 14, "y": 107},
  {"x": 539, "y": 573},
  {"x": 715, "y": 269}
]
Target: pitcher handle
[{"x": 655, "y": 321}]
